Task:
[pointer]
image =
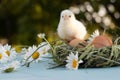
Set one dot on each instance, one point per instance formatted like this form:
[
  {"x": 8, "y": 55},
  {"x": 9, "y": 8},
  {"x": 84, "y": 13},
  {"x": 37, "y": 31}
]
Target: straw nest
[{"x": 92, "y": 57}]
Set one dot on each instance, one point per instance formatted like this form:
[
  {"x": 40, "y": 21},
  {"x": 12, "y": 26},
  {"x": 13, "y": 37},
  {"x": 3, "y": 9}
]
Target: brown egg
[
  {"x": 102, "y": 41},
  {"x": 75, "y": 42}
]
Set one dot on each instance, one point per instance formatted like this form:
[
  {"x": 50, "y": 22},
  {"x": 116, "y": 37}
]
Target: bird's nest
[{"x": 92, "y": 57}]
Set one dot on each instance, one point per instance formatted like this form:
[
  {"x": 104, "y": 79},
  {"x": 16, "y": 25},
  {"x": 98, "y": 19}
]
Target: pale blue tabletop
[{"x": 39, "y": 71}]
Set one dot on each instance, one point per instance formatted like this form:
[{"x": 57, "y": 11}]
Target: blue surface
[{"x": 39, "y": 71}]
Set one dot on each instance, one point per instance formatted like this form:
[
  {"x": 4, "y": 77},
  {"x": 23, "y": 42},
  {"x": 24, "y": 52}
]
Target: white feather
[{"x": 70, "y": 28}]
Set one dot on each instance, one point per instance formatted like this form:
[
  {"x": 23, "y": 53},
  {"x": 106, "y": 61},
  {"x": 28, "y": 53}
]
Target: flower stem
[
  {"x": 35, "y": 51},
  {"x": 49, "y": 44}
]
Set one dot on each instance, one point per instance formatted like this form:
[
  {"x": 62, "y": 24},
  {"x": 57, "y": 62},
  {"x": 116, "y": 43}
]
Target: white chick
[{"x": 69, "y": 27}]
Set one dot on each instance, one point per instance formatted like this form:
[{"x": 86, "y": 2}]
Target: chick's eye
[
  {"x": 69, "y": 15},
  {"x": 62, "y": 16}
]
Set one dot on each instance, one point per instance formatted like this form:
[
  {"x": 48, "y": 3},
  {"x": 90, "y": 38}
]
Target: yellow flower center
[
  {"x": 35, "y": 55},
  {"x": 0, "y": 56},
  {"x": 18, "y": 49},
  {"x": 74, "y": 63},
  {"x": 8, "y": 53}
]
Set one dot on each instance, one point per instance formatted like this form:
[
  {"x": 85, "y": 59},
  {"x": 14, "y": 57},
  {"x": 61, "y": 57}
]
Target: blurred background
[{"x": 22, "y": 20}]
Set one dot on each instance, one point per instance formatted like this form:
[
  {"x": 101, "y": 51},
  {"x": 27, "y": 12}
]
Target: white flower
[
  {"x": 41, "y": 35},
  {"x": 3, "y": 56},
  {"x": 32, "y": 54},
  {"x": 72, "y": 61},
  {"x": 23, "y": 51},
  {"x": 9, "y": 67},
  {"x": 44, "y": 49},
  {"x": 11, "y": 53},
  {"x": 95, "y": 34}
]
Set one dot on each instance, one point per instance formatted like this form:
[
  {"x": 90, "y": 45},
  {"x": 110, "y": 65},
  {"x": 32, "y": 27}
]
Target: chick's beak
[{"x": 66, "y": 17}]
